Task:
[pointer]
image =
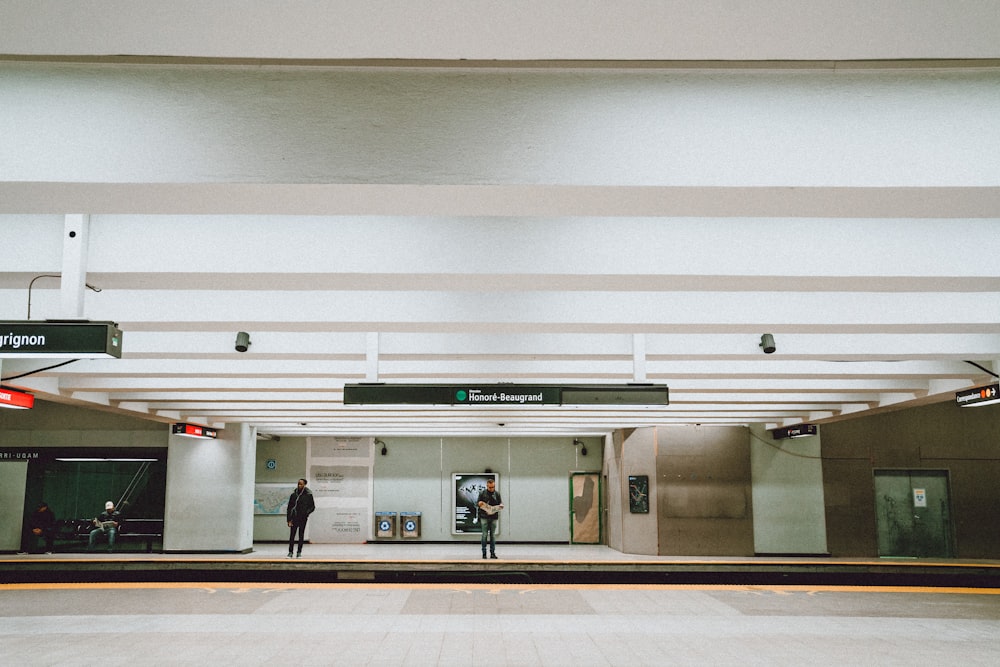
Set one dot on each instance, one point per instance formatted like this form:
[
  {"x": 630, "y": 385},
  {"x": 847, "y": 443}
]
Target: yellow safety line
[
  {"x": 949, "y": 590},
  {"x": 513, "y": 561}
]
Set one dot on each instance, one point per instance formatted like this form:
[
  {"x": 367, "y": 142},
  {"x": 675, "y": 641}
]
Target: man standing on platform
[
  {"x": 490, "y": 503},
  {"x": 300, "y": 506}
]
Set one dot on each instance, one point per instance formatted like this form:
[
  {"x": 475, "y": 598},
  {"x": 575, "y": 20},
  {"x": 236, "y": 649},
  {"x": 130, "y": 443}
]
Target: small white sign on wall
[{"x": 920, "y": 497}]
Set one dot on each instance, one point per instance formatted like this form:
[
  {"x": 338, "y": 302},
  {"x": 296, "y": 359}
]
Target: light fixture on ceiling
[
  {"x": 797, "y": 431},
  {"x": 767, "y": 343},
  {"x": 242, "y": 341},
  {"x": 195, "y": 431},
  {"x": 978, "y": 397},
  {"x": 91, "y": 459},
  {"x": 385, "y": 450},
  {"x": 579, "y": 443},
  {"x": 17, "y": 400}
]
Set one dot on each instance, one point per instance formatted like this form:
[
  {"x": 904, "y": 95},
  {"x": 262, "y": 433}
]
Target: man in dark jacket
[
  {"x": 43, "y": 527},
  {"x": 300, "y": 506}
]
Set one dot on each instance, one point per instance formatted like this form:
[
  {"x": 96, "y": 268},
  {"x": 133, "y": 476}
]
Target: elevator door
[{"x": 914, "y": 517}]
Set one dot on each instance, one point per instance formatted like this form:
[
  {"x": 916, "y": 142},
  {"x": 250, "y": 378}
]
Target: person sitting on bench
[{"x": 106, "y": 524}]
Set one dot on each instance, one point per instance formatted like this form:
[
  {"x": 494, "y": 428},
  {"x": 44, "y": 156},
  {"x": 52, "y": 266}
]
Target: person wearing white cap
[{"x": 106, "y": 524}]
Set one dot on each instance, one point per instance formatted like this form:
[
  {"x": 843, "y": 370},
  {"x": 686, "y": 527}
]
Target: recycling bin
[
  {"x": 385, "y": 525},
  {"x": 409, "y": 523}
]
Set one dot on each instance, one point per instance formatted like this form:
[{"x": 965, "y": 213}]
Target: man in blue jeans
[
  {"x": 106, "y": 524},
  {"x": 490, "y": 503}
]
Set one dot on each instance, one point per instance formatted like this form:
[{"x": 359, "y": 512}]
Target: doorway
[
  {"x": 585, "y": 508},
  {"x": 913, "y": 511}
]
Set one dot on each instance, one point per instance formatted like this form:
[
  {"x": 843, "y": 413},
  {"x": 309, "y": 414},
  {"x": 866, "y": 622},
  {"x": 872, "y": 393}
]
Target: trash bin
[
  {"x": 385, "y": 525},
  {"x": 410, "y": 524}
]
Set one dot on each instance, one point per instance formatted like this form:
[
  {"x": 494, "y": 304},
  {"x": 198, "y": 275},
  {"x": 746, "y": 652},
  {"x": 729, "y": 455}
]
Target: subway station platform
[
  {"x": 395, "y": 562},
  {"x": 441, "y": 604}
]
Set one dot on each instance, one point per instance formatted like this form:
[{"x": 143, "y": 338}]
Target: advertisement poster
[
  {"x": 340, "y": 476},
  {"x": 466, "y": 487},
  {"x": 638, "y": 494},
  {"x": 339, "y": 481},
  {"x": 340, "y": 524}
]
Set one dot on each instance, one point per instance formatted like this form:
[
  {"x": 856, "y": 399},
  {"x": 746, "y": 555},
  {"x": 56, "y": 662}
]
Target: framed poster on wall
[
  {"x": 466, "y": 487},
  {"x": 638, "y": 494}
]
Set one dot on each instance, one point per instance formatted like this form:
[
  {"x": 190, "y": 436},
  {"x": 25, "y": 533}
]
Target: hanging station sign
[
  {"x": 12, "y": 398},
  {"x": 988, "y": 395},
  {"x": 504, "y": 394},
  {"x": 194, "y": 431},
  {"x": 78, "y": 339}
]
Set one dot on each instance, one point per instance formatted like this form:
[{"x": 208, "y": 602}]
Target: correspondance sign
[
  {"x": 504, "y": 394},
  {"x": 60, "y": 339}
]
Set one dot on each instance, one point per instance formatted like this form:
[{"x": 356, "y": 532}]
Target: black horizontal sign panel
[
  {"x": 504, "y": 394},
  {"x": 50, "y": 339},
  {"x": 979, "y": 396}
]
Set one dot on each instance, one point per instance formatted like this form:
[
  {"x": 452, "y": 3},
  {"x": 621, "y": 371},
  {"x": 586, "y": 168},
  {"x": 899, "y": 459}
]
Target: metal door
[
  {"x": 913, "y": 513},
  {"x": 585, "y": 508}
]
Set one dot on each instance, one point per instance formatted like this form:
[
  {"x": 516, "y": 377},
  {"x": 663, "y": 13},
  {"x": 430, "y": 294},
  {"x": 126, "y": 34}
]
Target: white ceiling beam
[
  {"x": 499, "y": 200},
  {"x": 98, "y": 397},
  {"x": 560, "y": 30},
  {"x": 133, "y": 406},
  {"x": 556, "y": 312},
  {"x": 887, "y": 399},
  {"x": 558, "y": 370}
]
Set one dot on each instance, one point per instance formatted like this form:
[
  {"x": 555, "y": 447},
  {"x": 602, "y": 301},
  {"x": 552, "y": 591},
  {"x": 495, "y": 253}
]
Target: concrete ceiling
[{"x": 625, "y": 222}]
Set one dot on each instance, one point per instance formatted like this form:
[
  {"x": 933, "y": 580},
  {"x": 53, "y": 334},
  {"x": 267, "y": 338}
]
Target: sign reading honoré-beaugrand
[{"x": 504, "y": 394}]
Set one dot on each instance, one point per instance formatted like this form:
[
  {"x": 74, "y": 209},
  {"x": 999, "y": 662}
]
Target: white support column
[
  {"x": 638, "y": 357},
  {"x": 74, "y": 265},
  {"x": 13, "y": 482},
  {"x": 208, "y": 480},
  {"x": 371, "y": 357}
]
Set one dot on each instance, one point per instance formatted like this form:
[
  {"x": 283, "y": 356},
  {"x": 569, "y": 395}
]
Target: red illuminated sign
[
  {"x": 11, "y": 398},
  {"x": 194, "y": 431}
]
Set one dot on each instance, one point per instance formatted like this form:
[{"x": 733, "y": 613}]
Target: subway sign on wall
[{"x": 78, "y": 339}]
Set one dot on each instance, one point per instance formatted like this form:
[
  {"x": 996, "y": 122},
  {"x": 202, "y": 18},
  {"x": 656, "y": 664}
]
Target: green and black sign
[
  {"x": 80, "y": 339},
  {"x": 504, "y": 394}
]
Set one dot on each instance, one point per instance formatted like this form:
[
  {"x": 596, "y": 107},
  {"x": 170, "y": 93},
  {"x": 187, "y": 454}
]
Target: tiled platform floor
[{"x": 175, "y": 623}]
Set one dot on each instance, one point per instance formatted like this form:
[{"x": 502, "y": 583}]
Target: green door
[{"x": 913, "y": 510}]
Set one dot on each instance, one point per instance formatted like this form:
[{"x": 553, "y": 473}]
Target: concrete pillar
[
  {"x": 13, "y": 477},
  {"x": 209, "y": 498}
]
